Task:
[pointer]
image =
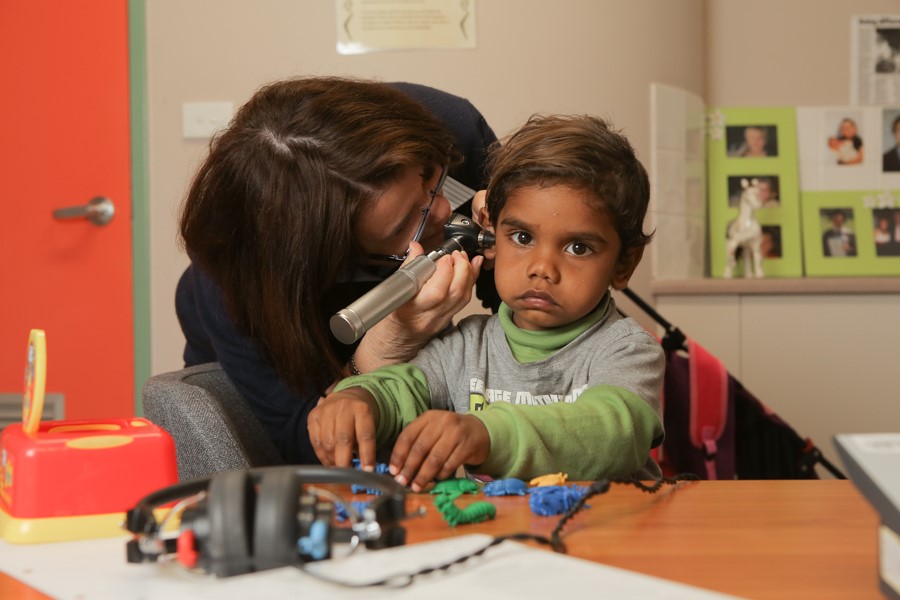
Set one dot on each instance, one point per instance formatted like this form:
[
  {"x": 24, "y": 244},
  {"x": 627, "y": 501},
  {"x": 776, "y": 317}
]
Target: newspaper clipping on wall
[{"x": 875, "y": 59}]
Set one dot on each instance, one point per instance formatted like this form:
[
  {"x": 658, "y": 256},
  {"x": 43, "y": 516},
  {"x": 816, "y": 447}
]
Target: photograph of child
[
  {"x": 846, "y": 145},
  {"x": 751, "y": 141},
  {"x": 767, "y": 186},
  {"x": 838, "y": 238}
]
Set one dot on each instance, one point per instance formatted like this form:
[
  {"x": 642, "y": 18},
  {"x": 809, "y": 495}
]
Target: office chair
[{"x": 210, "y": 422}]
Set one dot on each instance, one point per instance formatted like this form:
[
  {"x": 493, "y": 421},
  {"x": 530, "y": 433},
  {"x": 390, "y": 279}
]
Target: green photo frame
[
  {"x": 851, "y": 234},
  {"x": 761, "y": 144}
]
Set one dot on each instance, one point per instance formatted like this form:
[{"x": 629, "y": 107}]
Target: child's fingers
[
  {"x": 354, "y": 430},
  {"x": 408, "y": 453},
  {"x": 435, "y": 445},
  {"x": 437, "y": 464},
  {"x": 344, "y": 438},
  {"x": 365, "y": 440},
  {"x": 456, "y": 459},
  {"x": 432, "y": 450},
  {"x": 315, "y": 426}
]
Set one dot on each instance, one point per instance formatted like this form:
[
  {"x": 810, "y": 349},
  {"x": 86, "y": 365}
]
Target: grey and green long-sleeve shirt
[{"x": 582, "y": 399}]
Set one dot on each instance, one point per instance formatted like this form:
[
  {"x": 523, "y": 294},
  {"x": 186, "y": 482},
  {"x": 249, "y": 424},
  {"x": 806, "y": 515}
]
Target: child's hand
[
  {"x": 341, "y": 423},
  {"x": 436, "y": 444}
]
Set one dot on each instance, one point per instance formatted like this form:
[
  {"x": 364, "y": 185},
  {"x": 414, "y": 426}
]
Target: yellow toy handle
[{"x": 35, "y": 381}]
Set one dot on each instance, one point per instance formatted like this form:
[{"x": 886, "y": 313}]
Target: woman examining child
[{"x": 314, "y": 193}]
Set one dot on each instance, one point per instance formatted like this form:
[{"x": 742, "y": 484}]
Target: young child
[{"x": 558, "y": 380}]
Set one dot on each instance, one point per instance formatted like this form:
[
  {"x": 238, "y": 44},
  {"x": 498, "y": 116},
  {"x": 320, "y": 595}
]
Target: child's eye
[
  {"x": 579, "y": 249},
  {"x": 523, "y": 238}
]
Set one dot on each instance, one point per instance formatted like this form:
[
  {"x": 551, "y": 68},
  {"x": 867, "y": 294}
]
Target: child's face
[
  {"x": 848, "y": 129},
  {"x": 756, "y": 139},
  {"x": 556, "y": 255}
]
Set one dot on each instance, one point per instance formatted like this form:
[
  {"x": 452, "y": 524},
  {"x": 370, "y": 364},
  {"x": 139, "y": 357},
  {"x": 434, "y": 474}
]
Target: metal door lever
[{"x": 98, "y": 211}]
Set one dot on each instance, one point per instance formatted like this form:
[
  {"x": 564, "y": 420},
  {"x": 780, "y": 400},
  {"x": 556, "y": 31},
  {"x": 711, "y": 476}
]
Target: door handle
[{"x": 98, "y": 211}]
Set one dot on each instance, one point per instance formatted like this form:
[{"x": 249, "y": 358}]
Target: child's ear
[
  {"x": 625, "y": 267},
  {"x": 490, "y": 253},
  {"x": 483, "y": 218}
]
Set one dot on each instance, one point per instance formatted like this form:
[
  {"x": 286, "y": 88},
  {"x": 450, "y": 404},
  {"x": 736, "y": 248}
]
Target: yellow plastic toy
[{"x": 550, "y": 479}]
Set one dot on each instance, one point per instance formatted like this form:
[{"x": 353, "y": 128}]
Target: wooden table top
[{"x": 756, "y": 539}]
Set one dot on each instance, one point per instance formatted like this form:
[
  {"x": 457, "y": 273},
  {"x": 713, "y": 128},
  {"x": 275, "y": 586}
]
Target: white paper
[
  {"x": 678, "y": 180},
  {"x": 97, "y": 569}
]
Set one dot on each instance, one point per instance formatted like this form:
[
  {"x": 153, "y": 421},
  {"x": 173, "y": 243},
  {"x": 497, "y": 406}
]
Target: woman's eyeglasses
[{"x": 421, "y": 228}]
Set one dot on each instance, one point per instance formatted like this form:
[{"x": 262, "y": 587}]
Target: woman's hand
[
  {"x": 400, "y": 335},
  {"x": 435, "y": 445},
  {"x": 341, "y": 423}
]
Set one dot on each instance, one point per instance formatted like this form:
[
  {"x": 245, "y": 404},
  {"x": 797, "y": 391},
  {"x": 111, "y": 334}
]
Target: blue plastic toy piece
[
  {"x": 555, "y": 499},
  {"x": 380, "y": 468},
  {"x": 506, "y": 487},
  {"x": 340, "y": 510},
  {"x": 315, "y": 545}
]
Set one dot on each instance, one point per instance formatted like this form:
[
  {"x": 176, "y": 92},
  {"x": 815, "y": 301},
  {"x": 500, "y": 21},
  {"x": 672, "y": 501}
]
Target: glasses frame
[{"x": 399, "y": 258}]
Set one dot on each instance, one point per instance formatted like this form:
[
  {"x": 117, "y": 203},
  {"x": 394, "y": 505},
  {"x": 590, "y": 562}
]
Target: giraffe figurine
[{"x": 745, "y": 233}]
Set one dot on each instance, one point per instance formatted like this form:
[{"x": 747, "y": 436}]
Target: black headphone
[{"x": 250, "y": 520}]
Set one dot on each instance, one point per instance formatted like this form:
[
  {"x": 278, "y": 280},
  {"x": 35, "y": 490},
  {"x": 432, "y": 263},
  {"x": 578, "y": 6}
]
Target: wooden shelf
[{"x": 775, "y": 286}]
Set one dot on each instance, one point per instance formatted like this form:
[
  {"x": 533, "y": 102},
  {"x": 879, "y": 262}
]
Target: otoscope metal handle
[{"x": 351, "y": 323}]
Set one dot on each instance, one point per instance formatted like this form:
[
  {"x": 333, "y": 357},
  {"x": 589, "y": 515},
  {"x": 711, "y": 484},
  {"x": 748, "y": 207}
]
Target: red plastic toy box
[{"x": 76, "y": 479}]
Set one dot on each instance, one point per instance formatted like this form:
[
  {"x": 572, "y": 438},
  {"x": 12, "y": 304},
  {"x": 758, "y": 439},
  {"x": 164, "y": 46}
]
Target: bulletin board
[{"x": 755, "y": 144}]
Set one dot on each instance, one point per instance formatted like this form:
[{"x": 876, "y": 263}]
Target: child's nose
[{"x": 543, "y": 266}]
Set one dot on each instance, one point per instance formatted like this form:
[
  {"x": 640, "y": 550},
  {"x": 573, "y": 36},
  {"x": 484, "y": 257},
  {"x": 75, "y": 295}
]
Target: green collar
[{"x": 529, "y": 346}]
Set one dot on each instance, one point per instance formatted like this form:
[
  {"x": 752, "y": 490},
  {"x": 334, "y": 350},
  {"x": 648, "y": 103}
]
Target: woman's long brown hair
[{"x": 269, "y": 215}]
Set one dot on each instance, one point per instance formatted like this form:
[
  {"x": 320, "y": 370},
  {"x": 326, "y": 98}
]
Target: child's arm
[{"x": 607, "y": 432}]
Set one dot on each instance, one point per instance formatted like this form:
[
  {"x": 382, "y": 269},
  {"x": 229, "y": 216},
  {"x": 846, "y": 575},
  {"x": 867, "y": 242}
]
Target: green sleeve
[
  {"x": 606, "y": 433},
  {"x": 401, "y": 394}
]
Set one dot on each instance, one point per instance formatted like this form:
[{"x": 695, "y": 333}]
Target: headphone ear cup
[
  {"x": 275, "y": 529},
  {"x": 231, "y": 510}
]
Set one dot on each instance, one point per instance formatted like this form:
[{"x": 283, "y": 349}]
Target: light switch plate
[{"x": 200, "y": 120}]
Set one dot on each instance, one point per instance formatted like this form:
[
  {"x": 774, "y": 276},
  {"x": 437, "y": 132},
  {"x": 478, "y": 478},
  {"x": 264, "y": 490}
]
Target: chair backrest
[{"x": 210, "y": 422}]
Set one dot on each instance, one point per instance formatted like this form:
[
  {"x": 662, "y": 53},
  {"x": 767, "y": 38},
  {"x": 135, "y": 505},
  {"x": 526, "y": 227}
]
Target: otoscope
[{"x": 462, "y": 233}]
